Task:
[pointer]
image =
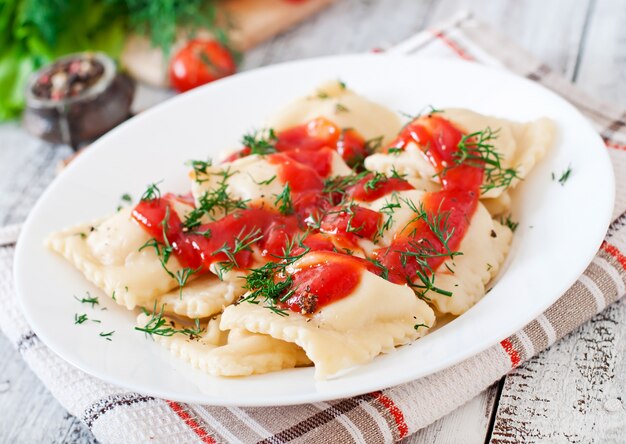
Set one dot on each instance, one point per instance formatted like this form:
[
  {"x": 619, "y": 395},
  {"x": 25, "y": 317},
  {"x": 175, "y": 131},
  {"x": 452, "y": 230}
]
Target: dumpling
[
  {"x": 203, "y": 297},
  {"x": 484, "y": 247},
  {"x": 108, "y": 254},
  {"x": 519, "y": 145},
  {"x": 229, "y": 353},
  {"x": 254, "y": 179},
  {"x": 337, "y": 103},
  {"x": 374, "y": 318}
]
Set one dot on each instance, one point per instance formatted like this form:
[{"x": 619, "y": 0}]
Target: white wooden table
[{"x": 574, "y": 392}]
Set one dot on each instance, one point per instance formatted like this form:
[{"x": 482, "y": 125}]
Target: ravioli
[
  {"x": 519, "y": 145},
  {"x": 484, "y": 248},
  {"x": 337, "y": 103},
  {"x": 252, "y": 179},
  {"x": 229, "y": 353},
  {"x": 204, "y": 296},
  {"x": 107, "y": 253},
  {"x": 376, "y": 317}
]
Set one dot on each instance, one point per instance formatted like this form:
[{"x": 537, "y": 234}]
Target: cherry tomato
[{"x": 200, "y": 62}]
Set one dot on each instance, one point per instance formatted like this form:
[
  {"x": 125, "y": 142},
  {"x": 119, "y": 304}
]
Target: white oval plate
[{"x": 557, "y": 237}]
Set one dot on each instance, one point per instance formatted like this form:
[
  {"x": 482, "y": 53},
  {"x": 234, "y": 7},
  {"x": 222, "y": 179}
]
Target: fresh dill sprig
[
  {"x": 152, "y": 192},
  {"x": 158, "y": 325},
  {"x": 263, "y": 182},
  {"x": 509, "y": 223},
  {"x": 476, "y": 149},
  {"x": 260, "y": 142},
  {"x": 242, "y": 242},
  {"x": 88, "y": 300},
  {"x": 339, "y": 108},
  {"x": 374, "y": 181},
  {"x": 200, "y": 166},
  {"x": 283, "y": 201},
  {"x": 79, "y": 319},
  {"x": 387, "y": 210},
  {"x": 271, "y": 284},
  {"x": 182, "y": 276},
  {"x": 565, "y": 175},
  {"x": 214, "y": 200},
  {"x": 107, "y": 335}
]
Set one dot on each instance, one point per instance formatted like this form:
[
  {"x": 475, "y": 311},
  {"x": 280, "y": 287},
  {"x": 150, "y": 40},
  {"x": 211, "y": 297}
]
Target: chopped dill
[{"x": 260, "y": 142}]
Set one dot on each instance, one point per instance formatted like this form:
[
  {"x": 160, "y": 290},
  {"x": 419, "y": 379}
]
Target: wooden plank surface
[{"x": 541, "y": 401}]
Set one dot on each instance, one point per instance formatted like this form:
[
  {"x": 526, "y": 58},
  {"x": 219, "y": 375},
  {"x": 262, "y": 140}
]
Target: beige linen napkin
[{"x": 116, "y": 415}]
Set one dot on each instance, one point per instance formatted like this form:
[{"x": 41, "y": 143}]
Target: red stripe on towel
[
  {"x": 192, "y": 423},
  {"x": 513, "y": 355},
  {"x": 452, "y": 45},
  {"x": 397, "y": 414},
  {"x": 614, "y": 251}
]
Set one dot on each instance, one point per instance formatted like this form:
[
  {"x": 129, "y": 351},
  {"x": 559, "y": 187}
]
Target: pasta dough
[
  {"x": 343, "y": 107},
  {"x": 230, "y": 353},
  {"x": 520, "y": 146},
  {"x": 107, "y": 253},
  {"x": 375, "y": 318}
]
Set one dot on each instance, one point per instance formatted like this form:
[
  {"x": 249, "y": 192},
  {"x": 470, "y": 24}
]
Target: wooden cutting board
[{"x": 250, "y": 23}]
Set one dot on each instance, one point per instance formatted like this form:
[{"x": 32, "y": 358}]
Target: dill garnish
[
  {"x": 242, "y": 242},
  {"x": 565, "y": 175},
  {"x": 159, "y": 326},
  {"x": 107, "y": 335},
  {"x": 214, "y": 200},
  {"x": 79, "y": 319},
  {"x": 283, "y": 201},
  {"x": 88, "y": 300},
  {"x": 152, "y": 192},
  {"x": 476, "y": 150},
  {"x": 509, "y": 223},
  {"x": 200, "y": 166},
  {"x": 339, "y": 108},
  {"x": 270, "y": 283},
  {"x": 260, "y": 142},
  {"x": 421, "y": 250}
]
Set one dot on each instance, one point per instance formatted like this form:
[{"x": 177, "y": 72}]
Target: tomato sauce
[{"x": 331, "y": 222}]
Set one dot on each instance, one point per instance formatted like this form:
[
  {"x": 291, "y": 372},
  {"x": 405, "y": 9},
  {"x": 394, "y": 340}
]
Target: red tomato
[{"x": 200, "y": 62}]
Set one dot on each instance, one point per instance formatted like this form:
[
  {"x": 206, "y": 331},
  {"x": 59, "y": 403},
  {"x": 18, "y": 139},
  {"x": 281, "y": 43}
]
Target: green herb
[
  {"x": 260, "y": 142},
  {"x": 421, "y": 250},
  {"x": 375, "y": 180},
  {"x": 113, "y": 296},
  {"x": 200, "y": 166},
  {"x": 339, "y": 108},
  {"x": 416, "y": 326},
  {"x": 395, "y": 151},
  {"x": 264, "y": 182},
  {"x": 79, "y": 319},
  {"x": 214, "y": 200},
  {"x": 509, "y": 223},
  {"x": 395, "y": 174},
  {"x": 565, "y": 175},
  {"x": 388, "y": 210},
  {"x": 283, "y": 201},
  {"x": 126, "y": 198},
  {"x": 88, "y": 300},
  {"x": 152, "y": 192},
  {"x": 107, "y": 335},
  {"x": 206, "y": 233},
  {"x": 242, "y": 242},
  {"x": 342, "y": 84},
  {"x": 322, "y": 95},
  {"x": 157, "y": 325},
  {"x": 270, "y": 283},
  {"x": 182, "y": 276},
  {"x": 476, "y": 150}
]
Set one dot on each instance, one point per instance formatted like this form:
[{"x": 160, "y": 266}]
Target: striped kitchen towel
[{"x": 116, "y": 415}]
